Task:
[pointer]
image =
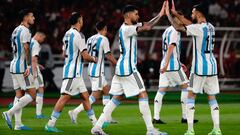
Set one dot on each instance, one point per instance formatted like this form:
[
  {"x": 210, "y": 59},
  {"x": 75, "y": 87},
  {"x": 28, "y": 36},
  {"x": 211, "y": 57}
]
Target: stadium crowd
[{"x": 51, "y": 16}]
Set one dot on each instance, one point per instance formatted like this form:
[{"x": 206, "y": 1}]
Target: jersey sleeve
[
  {"x": 81, "y": 43},
  {"x": 131, "y": 30},
  {"x": 35, "y": 50},
  {"x": 193, "y": 30},
  {"x": 106, "y": 47},
  {"x": 26, "y": 36},
  {"x": 174, "y": 37}
]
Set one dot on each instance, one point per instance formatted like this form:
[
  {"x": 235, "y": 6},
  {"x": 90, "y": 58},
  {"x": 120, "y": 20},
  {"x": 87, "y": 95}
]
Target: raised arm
[
  {"x": 149, "y": 25},
  {"x": 177, "y": 26},
  {"x": 184, "y": 20}
]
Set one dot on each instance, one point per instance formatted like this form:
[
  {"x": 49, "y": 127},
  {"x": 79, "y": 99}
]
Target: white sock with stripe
[
  {"x": 17, "y": 114},
  {"x": 39, "y": 103},
  {"x": 158, "y": 104},
  {"x": 107, "y": 112},
  {"x": 54, "y": 116},
  {"x": 105, "y": 99},
  {"x": 81, "y": 108},
  {"x": 146, "y": 113},
  {"x": 91, "y": 116},
  {"x": 184, "y": 96},
  {"x": 190, "y": 112},
  {"x": 215, "y": 113},
  {"x": 23, "y": 101}
]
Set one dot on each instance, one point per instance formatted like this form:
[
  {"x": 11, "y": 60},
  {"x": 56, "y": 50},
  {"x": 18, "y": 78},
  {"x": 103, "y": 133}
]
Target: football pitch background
[{"x": 131, "y": 122}]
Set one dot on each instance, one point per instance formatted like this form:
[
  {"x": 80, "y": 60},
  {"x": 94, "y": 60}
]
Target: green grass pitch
[{"x": 131, "y": 122}]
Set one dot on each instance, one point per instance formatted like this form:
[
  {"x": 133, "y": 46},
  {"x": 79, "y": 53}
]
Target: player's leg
[
  {"x": 87, "y": 107},
  {"x": 106, "y": 115},
  {"x": 117, "y": 90},
  {"x": 18, "y": 113},
  {"x": 95, "y": 95},
  {"x": 211, "y": 87},
  {"x": 163, "y": 85},
  {"x": 27, "y": 84},
  {"x": 39, "y": 98},
  {"x": 50, "y": 126},
  {"x": 195, "y": 86},
  {"x": 158, "y": 105}
]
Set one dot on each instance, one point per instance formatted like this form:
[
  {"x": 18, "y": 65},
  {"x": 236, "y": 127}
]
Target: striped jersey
[
  {"x": 127, "y": 61},
  {"x": 73, "y": 45},
  {"x": 171, "y": 36},
  {"x": 203, "y": 61},
  {"x": 98, "y": 46},
  {"x": 20, "y": 36},
  {"x": 34, "y": 50}
]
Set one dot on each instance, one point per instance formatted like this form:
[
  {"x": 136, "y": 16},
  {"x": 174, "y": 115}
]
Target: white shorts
[
  {"x": 22, "y": 83},
  {"x": 129, "y": 85},
  {"x": 73, "y": 86},
  {"x": 98, "y": 83},
  {"x": 38, "y": 82},
  {"x": 172, "y": 79},
  {"x": 207, "y": 84}
]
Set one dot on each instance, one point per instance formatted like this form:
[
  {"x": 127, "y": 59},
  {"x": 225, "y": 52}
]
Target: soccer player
[
  {"x": 20, "y": 70},
  {"x": 171, "y": 72},
  {"x": 74, "y": 51},
  {"x": 204, "y": 66},
  {"x": 98, "y": 46},
  {"x": 127, "y": 80},
  {"x": 35, "y": 48}
]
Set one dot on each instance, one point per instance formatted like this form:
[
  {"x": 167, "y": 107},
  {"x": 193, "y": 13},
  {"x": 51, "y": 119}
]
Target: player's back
[
  {"x": 19, "y": 37},
  {"x": 127, "y": 61},
  {"x": 204, "y": 62},
  {"x": 171, "y": 37},
  {"x": 97, "y": 46},
  {"x": 73, "y": 45}
]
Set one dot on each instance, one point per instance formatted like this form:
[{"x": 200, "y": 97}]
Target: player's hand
[
  {"x": 41, "y": 67},
  {"x": 27, "y": 71},
  {"x": 167, "y": 8},
  {"x": 164, "y": 69},
  {"x": 147, "y": 26},
  {"x": 184, "y": 67},
  {"x": 94, "y": 59},
  {"x": 162, "y": 12}
]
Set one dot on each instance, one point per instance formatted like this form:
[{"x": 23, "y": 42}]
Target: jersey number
[
  {"x": 209, "y": 48},
  {"x": 92, "y": 50},
  {"x": 14, "y": 45},
  {"x": 164, "y": 47}
]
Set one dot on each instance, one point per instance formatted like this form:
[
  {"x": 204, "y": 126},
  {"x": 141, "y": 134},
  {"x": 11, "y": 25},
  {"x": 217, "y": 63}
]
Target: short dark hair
[
  {"x": 100, "y": 25},
  {"x": 74, "y": 18},
  {"x": 23, "y": 13},
  {"x": 128, "y": 8},
  {"x": 200, "y": 7}
]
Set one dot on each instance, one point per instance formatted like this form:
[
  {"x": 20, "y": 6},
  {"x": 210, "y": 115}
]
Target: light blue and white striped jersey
[
  {"x": 127, "y": 61},
  {"x": 34, "y": 50},
  {"x": 171, "y": 36},
  {"x": 98, "y": 46},
  {"x": 73, "y": 45},
  {"x": 203, "y": 61},
  {"x": 20, "y": 36}
]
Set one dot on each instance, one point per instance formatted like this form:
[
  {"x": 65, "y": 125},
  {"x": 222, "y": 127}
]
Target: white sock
[
  {"x": 81, "y": 108},
  {"x": 54, "y": 116},
  {"x": 23, "y": 101},
  {"x": 146, "y": 113},
  {"x": 107, "y": 112},
  {"x": 91, "y": 116},
  {"x": 105, "y": 99},
  {"x": 17, "y": 114},
  {"x": 39, "y": 103},
  {"x": 190, "y": 112},
  {"x": 184, "y": 95},
  {"x": 214, "y": 112},
  {"x": 158, "y": 104}
]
